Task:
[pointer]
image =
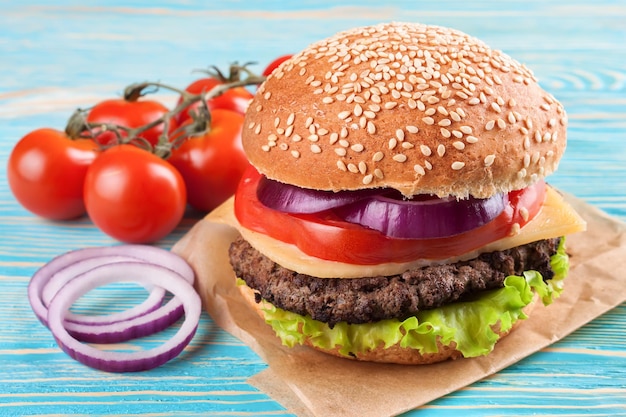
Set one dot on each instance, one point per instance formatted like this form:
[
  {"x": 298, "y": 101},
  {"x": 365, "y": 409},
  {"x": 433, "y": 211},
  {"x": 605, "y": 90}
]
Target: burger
[{"x": 396, "y": 208}]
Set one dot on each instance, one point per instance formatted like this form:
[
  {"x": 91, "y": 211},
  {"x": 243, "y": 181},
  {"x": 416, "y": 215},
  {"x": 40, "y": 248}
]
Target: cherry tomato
[
  {"x": 212, "y": 163},
  {"x": 131, "y": 114},
  {"x": 274, "y": 64},
  {"x": 46, "y": 171},
  {"x": 134, "y": 196},
  {"x": 235, "y": 99},
  {"x": 326, "y": 236}
]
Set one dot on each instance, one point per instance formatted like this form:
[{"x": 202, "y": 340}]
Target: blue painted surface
[{"x": 56, "y": 56}]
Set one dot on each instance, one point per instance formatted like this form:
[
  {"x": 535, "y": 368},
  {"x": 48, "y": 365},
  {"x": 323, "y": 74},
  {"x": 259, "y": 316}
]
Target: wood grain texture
[{"x": 57, "y": 56}]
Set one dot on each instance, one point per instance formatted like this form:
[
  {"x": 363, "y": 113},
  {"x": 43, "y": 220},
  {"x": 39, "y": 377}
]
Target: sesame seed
[
  {"x": 400, "y": 134},
  {"x": 296, "y": 138},
  {"x": 425, "y": 150},
  {"x": 430, "y": 111},
  {"x": 342, "y": 166},
  {"x": 353, "y": 168},
  {"x": 418, "y": 168},
  {"x": 378, "y": 173},
  {"x": 344, "y": 115},
  {"x": 334, "y": 137},
  {"x": 266, "y": 148},
  {"x": 267, "y": 95},
  {"x": 489, "y": 160},
  {"x": 444, "y": 122},
  {"x": 523, "y": 211},
  {"x": 459, "y": 145},
  {"x": 295, "y": 154},
  {"x": 371, "y": 128},
  {"x": 369, "y": 114},
  {"x": 445, "y": 132},
  {"x": 428, "y": 120},
  {"x": 378, "y": 156},
  {"x": 511, "y": 118},
  {"x": 399, "y": 157},
  {"x": 368, "y": 179},
  {"x": 344, "y": 143},
  {"x": 457, "y": 165},
  {"x": 357, "y": 147},
  {"x": 473, "y": 101},
  {"x": 501, "y": 123},
  {"x": 257, "y": 129},
  {"x": 316, "y": 148},
  {"x": 545, "y": 106},
  {"x": 341, "y": 151},
  {"x": 358, "y": 110},
  {"x": 441, "y": 150},
  {"x": 496, "y": 107},
  {"x": 412, "y": 129}
]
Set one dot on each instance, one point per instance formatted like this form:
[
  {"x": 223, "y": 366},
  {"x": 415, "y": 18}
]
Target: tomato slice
[{"x": 326, "y": 236}]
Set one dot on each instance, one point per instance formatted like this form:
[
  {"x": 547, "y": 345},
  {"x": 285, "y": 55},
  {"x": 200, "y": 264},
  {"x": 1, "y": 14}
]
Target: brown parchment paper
[{"x": 309, "y": 383}]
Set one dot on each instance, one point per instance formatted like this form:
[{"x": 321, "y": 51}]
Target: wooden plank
[{"x": 55, "y": 58}]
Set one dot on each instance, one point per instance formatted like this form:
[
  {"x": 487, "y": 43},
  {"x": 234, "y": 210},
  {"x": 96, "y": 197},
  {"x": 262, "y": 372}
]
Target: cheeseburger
[{"x": 396, "y": 209}]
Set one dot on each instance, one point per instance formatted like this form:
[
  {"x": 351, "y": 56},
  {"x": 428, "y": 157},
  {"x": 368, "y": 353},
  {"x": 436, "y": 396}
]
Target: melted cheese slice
[{"x": 556, "y": 218}]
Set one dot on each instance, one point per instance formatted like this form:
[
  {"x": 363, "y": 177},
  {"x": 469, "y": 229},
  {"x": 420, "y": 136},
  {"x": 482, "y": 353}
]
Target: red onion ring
[
  {"x": 423, "y": 218},
  {"x": 292, "y": 199},
  {"x": 63, "y": 276},
  {"x": 103, "y": 329},
  {"x": 144, "y": 274}
]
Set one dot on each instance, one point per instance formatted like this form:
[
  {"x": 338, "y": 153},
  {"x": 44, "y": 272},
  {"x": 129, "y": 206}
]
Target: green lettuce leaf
[{"x": 468, "y": 324}]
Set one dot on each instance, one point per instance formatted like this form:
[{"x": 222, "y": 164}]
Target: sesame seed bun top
[{"x": 418, "y": 108}]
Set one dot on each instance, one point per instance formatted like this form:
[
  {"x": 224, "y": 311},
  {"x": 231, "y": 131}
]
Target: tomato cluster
[{"x": 132, "y": 164}]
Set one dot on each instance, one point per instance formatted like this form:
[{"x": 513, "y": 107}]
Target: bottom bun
[{"x": 395, "y": 354}]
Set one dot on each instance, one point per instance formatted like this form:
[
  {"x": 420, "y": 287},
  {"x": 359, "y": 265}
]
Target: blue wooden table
[{"x": 57, "y": 56}]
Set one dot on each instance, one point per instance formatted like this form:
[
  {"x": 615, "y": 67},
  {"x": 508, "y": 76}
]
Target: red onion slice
[
  {"x": 292, "y": 199},
  {"x": 63, "y": 276},
  {"x": 143, "y": 274},
  {"x": 423, "y": 218},
  {"x": 145, "y": 253}
]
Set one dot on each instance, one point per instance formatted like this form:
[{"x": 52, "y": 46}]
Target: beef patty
[{"x": 364, "y": 300}]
